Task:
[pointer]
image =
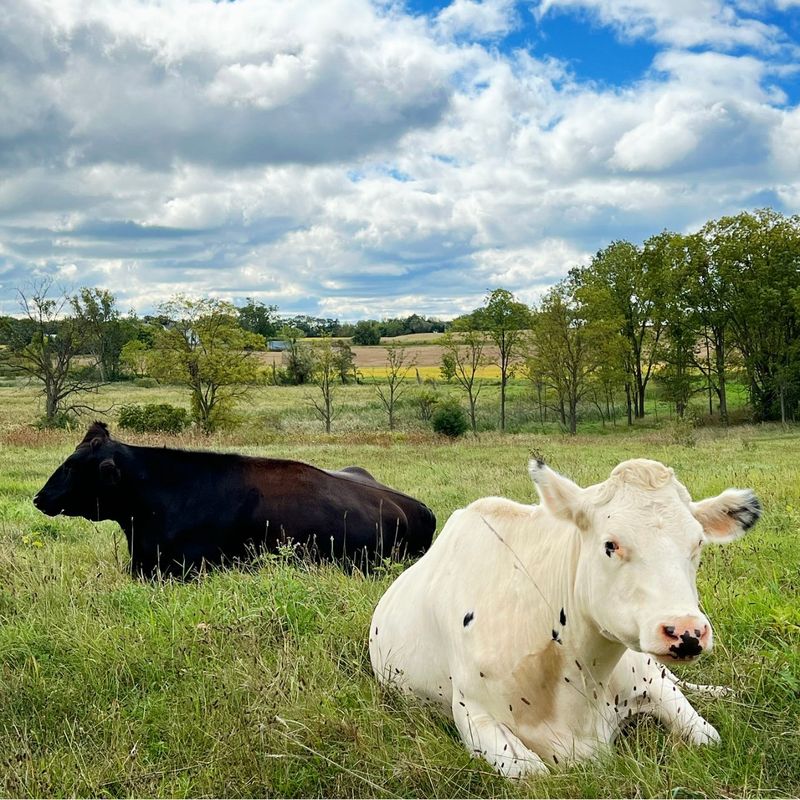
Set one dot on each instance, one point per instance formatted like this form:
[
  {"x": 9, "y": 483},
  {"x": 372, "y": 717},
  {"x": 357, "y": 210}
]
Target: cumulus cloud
[
  {"x": 477, "y": 18},
  {"x": 351, "y": 159},
  {"x": 678, "y": 23}
]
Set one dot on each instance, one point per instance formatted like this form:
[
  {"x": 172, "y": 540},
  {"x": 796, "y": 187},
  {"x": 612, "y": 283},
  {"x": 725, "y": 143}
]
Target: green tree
[
  {"x": 679, "y": 351},
  {"x": 505, "y": 321},
  {"x": 567, "y": 351},
  {"x": 367, "y": 332},
  {"x": 344, "y": 361},
  {"x": 298, "y": 358},
  {"x": 103, "y": 331},
  {"x": 397, "y": 368},
  {"x": 46, "y": 346},
  {"x": 134, "y": 358},
  {"x": 256, "y": 317},
  {"x": 462, "y": 357},
  {"x": 205, "y": 349},
  {"x": 757, "y": 257},
  {"x": 625, "y": 286},
  {"x": 325, "y": 376}
]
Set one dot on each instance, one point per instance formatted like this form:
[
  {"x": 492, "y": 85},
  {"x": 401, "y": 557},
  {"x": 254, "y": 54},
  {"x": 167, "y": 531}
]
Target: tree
[
  {"x": 46, "y": 346},
  {"x": 397, "y": 370},
  {"x": 682, "y": 324},
  {"x": 462, "y": 357},
  {"x": 298, "y": 359},
  {"x": 134, "y": 358},
  {"x": 344, "y": 361},
  {"x": 757, "y": 257},
  {"x": 504, "y": 319},
  {"x": 325, "y": 376},
  {"x": 712, "y": 319},
  {"x": 568, "y": 350},
  {"x": 367, "y": 332},
  {"x": 102, "y": 330},
  {"x": 624, "y": 285},
  {"x": 205, "y": 349},
  {"x": 259, "y": 318}
]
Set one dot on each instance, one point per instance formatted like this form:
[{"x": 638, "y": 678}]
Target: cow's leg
[
  {"x": 488, "y": 738},
  {"x": 650, "y": 688}
]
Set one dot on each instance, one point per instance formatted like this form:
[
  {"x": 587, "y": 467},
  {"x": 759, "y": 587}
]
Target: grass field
[{"x": 258, "y": 683}]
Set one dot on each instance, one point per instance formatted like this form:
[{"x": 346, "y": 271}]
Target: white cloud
[
  {"x": 477, "y": 18},
  {"x": 677, "y": 23},
  {"x": 358, "y": 161}
]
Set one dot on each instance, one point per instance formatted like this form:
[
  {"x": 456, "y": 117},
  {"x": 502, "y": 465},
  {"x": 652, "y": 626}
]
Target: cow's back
[{"x": 447, "y": 619}]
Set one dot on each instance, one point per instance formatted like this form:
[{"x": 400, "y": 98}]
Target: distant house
[{"x": 276, "y": 345}]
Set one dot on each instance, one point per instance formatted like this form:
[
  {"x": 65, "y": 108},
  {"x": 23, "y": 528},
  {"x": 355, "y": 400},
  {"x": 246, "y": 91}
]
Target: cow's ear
[
  {"x": 559, "y": 495},
  {"x": 109, "y": 472},
  {"x": 729, "y": 515}
]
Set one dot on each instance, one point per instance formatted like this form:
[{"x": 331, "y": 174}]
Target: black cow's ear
[
  {"x": 109, "y": 472},
  {"x": 96, "y": 442}
]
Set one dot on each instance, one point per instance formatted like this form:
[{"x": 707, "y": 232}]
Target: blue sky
[{"x": 355, "y": 158}]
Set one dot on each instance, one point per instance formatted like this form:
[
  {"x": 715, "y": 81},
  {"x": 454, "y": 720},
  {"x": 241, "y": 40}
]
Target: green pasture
[{"x": 257, "y": 683}]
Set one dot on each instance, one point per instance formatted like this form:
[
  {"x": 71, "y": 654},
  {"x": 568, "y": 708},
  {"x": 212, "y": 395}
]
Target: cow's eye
[{"x": 611, "y": 547}]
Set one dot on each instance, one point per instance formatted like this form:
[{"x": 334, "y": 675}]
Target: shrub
[
  {"x": 154, "y": 417},
  {"x": 449, "y": 418},
  {"x": 425, "y": 402},
  {"x": 63, "y": 420},
  {"x": 146, "y": 383}
]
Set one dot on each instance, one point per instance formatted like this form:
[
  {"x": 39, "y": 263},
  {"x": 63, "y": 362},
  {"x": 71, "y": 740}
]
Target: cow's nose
[{"x": 686, "y": 636}]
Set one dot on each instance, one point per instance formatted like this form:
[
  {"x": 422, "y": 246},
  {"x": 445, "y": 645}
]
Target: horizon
[{"x": 370, "y": 160}]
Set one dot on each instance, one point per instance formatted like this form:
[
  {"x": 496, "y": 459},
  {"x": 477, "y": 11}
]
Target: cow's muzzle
[{"x": 684, "y": 638}]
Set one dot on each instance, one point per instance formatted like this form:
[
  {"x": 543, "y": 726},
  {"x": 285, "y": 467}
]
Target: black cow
[{"x": 181, "y": 508}]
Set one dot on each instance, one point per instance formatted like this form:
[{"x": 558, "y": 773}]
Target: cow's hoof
[{"x": 703, "y": 733}]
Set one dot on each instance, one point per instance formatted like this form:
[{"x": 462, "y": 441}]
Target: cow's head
[
  {"x": 86, "y": 484},
  {"x": 641, "y": 538}
]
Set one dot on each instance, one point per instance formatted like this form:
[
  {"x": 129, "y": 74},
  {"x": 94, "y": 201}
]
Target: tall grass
[{"x": 257, "y": 682}]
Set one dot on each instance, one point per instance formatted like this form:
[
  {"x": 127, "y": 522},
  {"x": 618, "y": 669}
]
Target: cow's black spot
[
  {"x": 481, "y": 674},
  {"x": 578, "y": 664},
  {"x": 562, "y": 617},
  {"x": 555, "y": 635},
  {"x": 468, "y": 617},
  {"x": 527, "y": 702},
  {"x": 376, "y": 630},
  {"x": 555, "y": 758}
]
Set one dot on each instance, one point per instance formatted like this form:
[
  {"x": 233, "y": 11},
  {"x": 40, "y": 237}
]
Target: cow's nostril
[{"x": 697, "y": 632}]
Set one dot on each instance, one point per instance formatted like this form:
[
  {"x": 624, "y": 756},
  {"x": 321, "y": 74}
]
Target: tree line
[{"x": 691, "y": 312}]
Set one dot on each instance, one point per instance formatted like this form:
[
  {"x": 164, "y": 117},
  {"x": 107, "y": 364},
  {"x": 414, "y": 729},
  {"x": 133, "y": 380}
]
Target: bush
[
  {"x": 146, "y": 383},
  {"x": 424, "y": 402},
  {"x": 449, "y": 418},
  {"x": 63, "y": 420},
  {"x": 154, "y": 417}
]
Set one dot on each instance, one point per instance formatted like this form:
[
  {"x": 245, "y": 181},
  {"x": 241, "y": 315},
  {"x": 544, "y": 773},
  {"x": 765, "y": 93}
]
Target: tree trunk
[
  {"x": 472, "y": 418},
  {"x": 503, "y": 400},
  {"x": 722, "y": 393},
  {"x": 628, "y": 403}
]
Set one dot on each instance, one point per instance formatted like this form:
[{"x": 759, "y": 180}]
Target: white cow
[{"x": 542, "y": 628}]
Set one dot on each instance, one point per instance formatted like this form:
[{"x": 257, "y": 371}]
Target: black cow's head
[{"x": 87, "y": 483}]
